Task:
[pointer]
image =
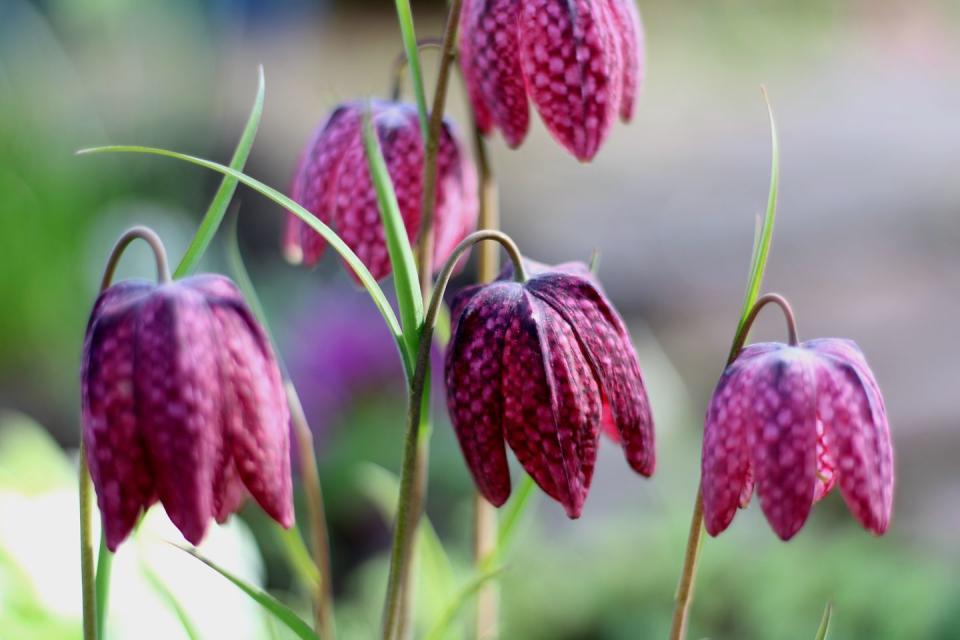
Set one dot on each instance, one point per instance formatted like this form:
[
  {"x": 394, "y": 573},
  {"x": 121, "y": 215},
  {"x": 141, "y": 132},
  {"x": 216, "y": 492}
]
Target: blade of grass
[
  {"x": 442, "y": 626},
  {"x": 297, "y": 555},
  {"x": 515, "y": 509},
  {"x": 221, "y": 199},
  {"x": 280, "y": 611},
  {"x": 363, "y": 274},
  {"x": 167, "y": 595},
  {"x": 409, "y": 36},
  {"x": 405, "y": 278},
  {"x": 762, "y": 247},
  {"x": 104, "y": 565},
  {"x": 824, "y": 627}
]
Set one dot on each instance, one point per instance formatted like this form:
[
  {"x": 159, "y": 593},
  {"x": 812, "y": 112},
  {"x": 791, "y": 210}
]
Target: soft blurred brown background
[{"x": 867, "y": 99}]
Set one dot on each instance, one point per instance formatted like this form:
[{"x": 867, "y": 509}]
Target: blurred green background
[{"x": 867, "y": 97}]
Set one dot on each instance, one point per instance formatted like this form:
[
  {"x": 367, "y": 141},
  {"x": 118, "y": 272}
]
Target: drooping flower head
[
  {"x": 182, "y": 402},
  {"x": 579, "y": 61},
  {"x": 794, "y": 420},
  {"x": 333, "y": 182},
  {"x": 542, "y": 365}
]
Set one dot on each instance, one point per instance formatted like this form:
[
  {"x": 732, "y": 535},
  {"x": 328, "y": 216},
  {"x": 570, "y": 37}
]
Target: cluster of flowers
[{"x": 183, "y": 399}]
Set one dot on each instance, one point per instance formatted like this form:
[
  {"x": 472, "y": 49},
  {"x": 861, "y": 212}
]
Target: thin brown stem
[
  {"x": 409, "y": 506},
  {"x": 684, "y": 596},
  {"x": 319, "y": 535},
  {"x": 484, "y": 514},
  {"x": 150, "y": 237}
]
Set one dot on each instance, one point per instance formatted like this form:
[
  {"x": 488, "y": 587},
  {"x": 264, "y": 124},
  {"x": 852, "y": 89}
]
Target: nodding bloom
[
  {"x": 182, "y": 402},
  {"x": 793, "y": 420},
  {"x": 332, "y": 181},
  {"x": 579, "y": 61},
  {"x": 544, "y": 365}
]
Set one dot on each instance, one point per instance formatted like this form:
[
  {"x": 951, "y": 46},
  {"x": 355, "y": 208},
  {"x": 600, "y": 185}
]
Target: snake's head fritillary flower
[
  {"x": 579, "y": 61},
  {"x": 541, "y": 366},
  {"x": 795, "y": 421},
  {"x": 333, "y": 182},
  {"x": 182, "y": 402}
]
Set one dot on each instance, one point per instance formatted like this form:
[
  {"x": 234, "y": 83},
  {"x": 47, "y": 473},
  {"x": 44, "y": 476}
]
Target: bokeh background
[{"x": 867, "y": 96}]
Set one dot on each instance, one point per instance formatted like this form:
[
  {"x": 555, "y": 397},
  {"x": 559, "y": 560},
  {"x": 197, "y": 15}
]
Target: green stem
[
  {"x": 401, "y": 62},
  {"x": 104, "y": 567},
  {"x": 88, "y": 586},
  {"x": 408, "y": 505}
]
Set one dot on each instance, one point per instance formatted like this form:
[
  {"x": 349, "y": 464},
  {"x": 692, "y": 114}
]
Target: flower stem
[
  {"x": 695, "y": 538},
  {"x": 93, "y": 611},
  {"x": 409, "y": 504},
  {"x": 484, "y": 514},
  {"x": 87, "y": 577},
  {"x": 401, "y": 62},
  {"x": 319, "y": 535}
]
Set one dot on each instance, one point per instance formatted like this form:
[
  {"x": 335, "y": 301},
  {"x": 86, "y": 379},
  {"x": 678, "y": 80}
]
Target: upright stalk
[
  {"x": 484, "y": 514},
  {"x": 407, "y": 505},
  {"x": 684, "y": 595},
  {"x": 415, "y": 476},
  {"x": 91, "y": 627},
  {"x": 319, "y": 536}
]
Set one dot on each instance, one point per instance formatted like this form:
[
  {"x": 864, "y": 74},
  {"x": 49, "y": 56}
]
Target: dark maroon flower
[
  {"x": 580, "y": 61},
  {"x": 332, "y": 181},
  {"x": 182, "y": 402},
  {"x": 541, "y": 365},
  {"x": 795, "y": 420}
]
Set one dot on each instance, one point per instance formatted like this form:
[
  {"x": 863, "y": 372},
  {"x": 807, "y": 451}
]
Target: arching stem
[
  {"x": 87, "y": 571},
  {"x": 691, "y": 558},
  {"x": 408, "y": 506},
  {"x": 401, "y": 61}
]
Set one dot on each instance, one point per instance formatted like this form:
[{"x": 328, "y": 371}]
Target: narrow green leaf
[
  {"x": 762, "y": 247},
  {"x": 459, "y": 600},
  {"x": 825, "y": 623},
  {"x": 409, "y": 36},
  {"x": 297, "y": 556},
  {"x": 279, "y": 610},
  {"x": 102, "y": 586},
  {"x": 167, "y": 595},
  {"x": 443, "y": 328},
  {"x": 367, "y": 280},
  {"x": 240, "y": 275},
  {"x": 221, "y": 199},
  {"x": 515, "y": 509},
  {"x": 405, "y": 279}
]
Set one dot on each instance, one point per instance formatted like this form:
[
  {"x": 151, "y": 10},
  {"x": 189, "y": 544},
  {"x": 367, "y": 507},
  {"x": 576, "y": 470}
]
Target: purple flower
[
  {"x": 795, "y": 420},
  {"x": 540, "y": 366},
  {"x": 332, "y": 181},
  {"x": 579, "y": 61},
  {"x": 182, "y": 402}
]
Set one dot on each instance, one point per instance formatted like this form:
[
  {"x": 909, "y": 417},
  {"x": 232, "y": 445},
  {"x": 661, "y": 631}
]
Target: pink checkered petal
[
  {"x": 256, "y": 416},
  {"x": 781, "y": 429},
  {"x": 474, "y": 369},
  {"x": 229, "y": 494},
  {"x": 610, "y": 352},
  {"x": 457, "y": 205},
  {"x": 726, "y": 478},
  {"x": 571, "y": 60},
  {"x": 113, "y": 441},
  {"x": 853, "y": 416},
  {"x": 544, "y": 441},
  {"x": 489, "y": 57},
  {"x": 629, "y": 30},
  {"x": 315, "y": 179},
  {"x": 356, "y": 212},
  {"x": 178, "y": 394}
]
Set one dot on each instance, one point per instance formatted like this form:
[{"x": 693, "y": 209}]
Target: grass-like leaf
[
  {"x": 824, "y": 627},
  {"x": 102, "y": 586},
  {"x": 280, "y": 611},
  {"x": 363, "y": 274},
  {"x": 410, "y": 47},
  {"x": 460, "y": 599},
  {"x": 168, "y": 596},
  {"x": 221, "y": 199},
  {"x": 515, "y": 509},
  {"x": 297, "y": 555},
  {"x": 405, "y": 279},
  {"x": 762, "y": 244}
]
